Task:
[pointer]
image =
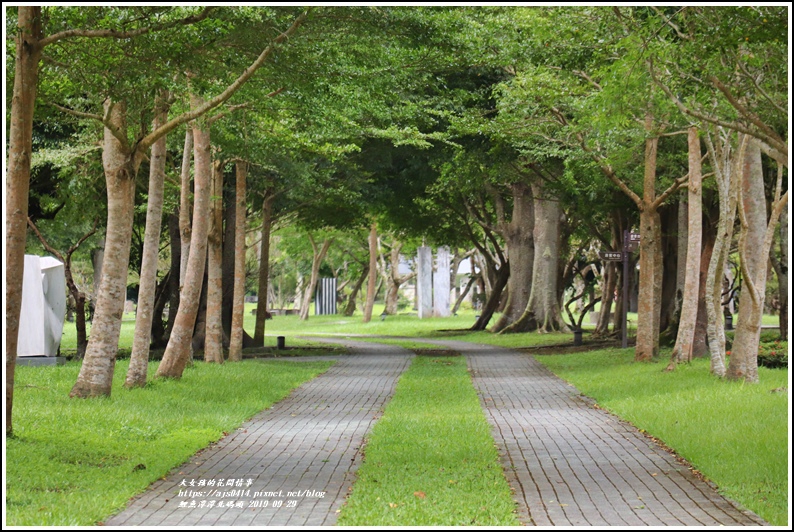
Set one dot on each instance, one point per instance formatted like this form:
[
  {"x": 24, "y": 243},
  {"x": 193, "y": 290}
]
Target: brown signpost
[{"x": 630, "y": 243}]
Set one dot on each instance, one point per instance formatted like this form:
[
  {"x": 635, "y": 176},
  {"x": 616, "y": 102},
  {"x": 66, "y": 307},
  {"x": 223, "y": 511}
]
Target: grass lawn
[
  {"x": 74, "y": 462},
  {"x": 431, "y": 460},
  {"x": 735, "y": 434}
]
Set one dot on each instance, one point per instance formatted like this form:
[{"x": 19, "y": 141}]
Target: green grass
[
  {"x": 431, "y": 460},
  {"x": 74, "y": 462},
  {"x": 735, "y": 434}
]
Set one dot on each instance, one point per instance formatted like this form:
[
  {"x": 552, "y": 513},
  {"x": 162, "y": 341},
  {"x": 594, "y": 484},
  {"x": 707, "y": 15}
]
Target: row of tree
[{"x": 528, "y": 134}]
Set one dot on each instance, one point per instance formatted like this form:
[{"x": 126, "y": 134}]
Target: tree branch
[
  {"x": 115, "y": 34},
  {"x": 230, "y": 90}
]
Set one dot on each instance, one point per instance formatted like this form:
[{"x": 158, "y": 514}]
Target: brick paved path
[
  {"x": 306, "y": 444},
  {"x": 574, "y": 465}
]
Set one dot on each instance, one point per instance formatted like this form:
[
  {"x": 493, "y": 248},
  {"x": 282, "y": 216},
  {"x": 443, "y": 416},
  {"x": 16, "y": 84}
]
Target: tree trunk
[
  {"x": 754, "y": 244},
  {"x": 671, "y": 304},
  {"x": 317, "y": 260},
  {"x": 96, "y": 373},
  {"x": 543, "y": 312},
  {"x": 520, "y": 244},
  {"x": 351, "y": 300},
  {"x": 700, "y": 346},
  {"x": 649, "y": 307},
  {"x": 20, "y": 141},
  {"x": 139, "y": 360},
  {"x": 238, "y": 305},
  {"x": 185, "y": 227},
  {"x": 173, "y": 279},
  {"x": 781, "y": 270},
  {"x": 264, "y": 268},
  {"x": 682, "y": 351},
  {"x": 502, "y": 274},
  {"x": 213, "y": 337},
  {"x": 373, "y": 272},
  {"x": 607, "y": 298},
  {"x": 178, "y": 351}
]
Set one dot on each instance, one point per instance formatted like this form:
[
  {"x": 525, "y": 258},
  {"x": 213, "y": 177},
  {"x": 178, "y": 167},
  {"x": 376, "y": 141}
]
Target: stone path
[
  {"x": 574, "y": 465},
  {"x": 569, "y": 464},
  {"x": 291, "y": 465}
]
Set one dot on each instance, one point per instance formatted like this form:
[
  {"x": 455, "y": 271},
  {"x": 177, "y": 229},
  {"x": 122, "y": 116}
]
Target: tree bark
[
  {"x": 213, "y": 337},
  {"x": 520, "y": 244},
  {"x": 650, "y": 259},
  {"x": 373, "y": 272},
  {"x": 393, "y": 279},
  {"x": 139, "y": 360},
  {"x": 264, "y": 268},
  {"x": 754, "y": 244},
  {"x": 178, "y": 351},
  {"x": 682, "y": 351},
  {"x": 238, "y": 305},
  {"x": 20, "y": 147},
  {"x": 96, "y": 373},
  {"x": 542, "y": 311}
]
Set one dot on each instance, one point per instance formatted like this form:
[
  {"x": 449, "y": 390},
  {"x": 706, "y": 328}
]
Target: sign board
[
  {"x": 634, "y": 241},
  {"x": 610, "y": 255}
]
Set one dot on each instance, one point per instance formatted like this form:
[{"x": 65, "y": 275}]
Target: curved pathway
[
  {"x": 290, "y": 465},
  {"x": 574, "y": 465}
]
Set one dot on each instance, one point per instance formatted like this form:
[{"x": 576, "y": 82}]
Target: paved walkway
[
  {"x": 574, "y": 465},
  {"x": 291, "y": 465},
  {"x": 568, "y": 463}
]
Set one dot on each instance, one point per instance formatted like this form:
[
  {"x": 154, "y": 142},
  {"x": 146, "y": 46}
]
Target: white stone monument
[
  {"x": 43, "y": 307},
  {"x": 424, "y": 282},
  {"x": 441, "y": 286}
]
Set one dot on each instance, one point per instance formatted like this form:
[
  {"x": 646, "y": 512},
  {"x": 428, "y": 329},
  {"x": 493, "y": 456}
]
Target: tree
[
  {"x": 136, "y": 373},
  {"x": 122, "y": 159},
  {"x": 373, "y": 272},
  {"x": 682, "y": 352},
  {"x": 755, "y": 230},
  {"x": 238, "y": 310}
]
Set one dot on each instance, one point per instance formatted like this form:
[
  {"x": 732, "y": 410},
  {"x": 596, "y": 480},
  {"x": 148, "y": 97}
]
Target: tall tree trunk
[
  {"x": 373, "y": 272},
  {"x": 520, "y": 244},
  {"x": 543, "y": 312},
  {"x": 185, "y": 227},
  {"x": 238, "y": 305},
  {"x": 317, "y": 260},
  {"x": 213, "y": 337},
  {"x": 649, "y": 307},
  {"x": 682, "y": 351},
  {"x": 178, "y": 351},
  {"x": 20, "y": 147},
  {"x": 96, "y": 373},
  {"x": 755, "y": 242},
  {"x": 393, "y": 279},
  {"x": 139, "y": 360},
  {"x": 264, "y": 268},
  {"x": 727, "y": 168}
]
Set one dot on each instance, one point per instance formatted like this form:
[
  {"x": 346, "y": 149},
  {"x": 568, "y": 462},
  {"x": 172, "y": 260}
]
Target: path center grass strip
[
  {"x": 74, "y": 462},
  {"x": 431, "y": 460}
]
